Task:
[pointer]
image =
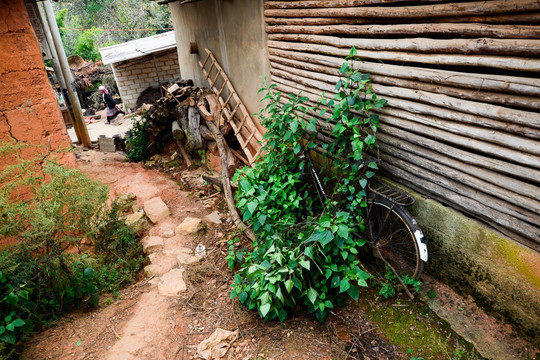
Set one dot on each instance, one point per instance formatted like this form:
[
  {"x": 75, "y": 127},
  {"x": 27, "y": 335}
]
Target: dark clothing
[
  {"x": 112, "y": 109},
  {"x": 109, "y": 101}
]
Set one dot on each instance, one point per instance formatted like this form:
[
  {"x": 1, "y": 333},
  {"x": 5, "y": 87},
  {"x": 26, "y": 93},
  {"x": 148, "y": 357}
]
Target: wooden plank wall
[{"x": 462, "y": 83}]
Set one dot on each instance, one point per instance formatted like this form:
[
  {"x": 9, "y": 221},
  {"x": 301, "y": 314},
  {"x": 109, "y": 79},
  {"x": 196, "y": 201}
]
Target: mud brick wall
[
  {"x": 133, "y": 79},
  {"x": 29, "y": 110}
]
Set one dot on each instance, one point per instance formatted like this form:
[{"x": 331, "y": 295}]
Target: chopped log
[
  {"x": 217, "y": 181},
  {"x": 477, "y": 145},
  {"x": 484, "y": 96},
  {"x": 225, "y": 178},
  {"x": 177, "y": 131},
  {"x": 326, "y": 3},
  {"x": 461, "y": 202},
  {"x": 471, "y": 29},
  {"x": 490, "y": 204},
  {"x": 474, "y": 161},
  {"x": 527, "y": 18},
  {"x": 193, "y": 134},
  {"x": 329, "y": 65},
  {"x": 206, "y": 133},
  {"x": 470, "y": 112},
  {"x": 473, "y": 177},
  {"x": 481, "y": 8},
  {"x": 484, "y": 46},
  {"x": 499, "y": 62},
  {"x": 239, "y": 157}
]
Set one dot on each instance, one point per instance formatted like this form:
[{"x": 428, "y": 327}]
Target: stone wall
[
  {"x": 134, "y": 79},
  {"x": 29, "y": 110}
]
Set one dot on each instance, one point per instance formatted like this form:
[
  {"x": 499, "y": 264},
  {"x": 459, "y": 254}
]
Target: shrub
[
  {"x": 48, "y": 210},
  {"x": 305, "y": 251},
  {"x": 138, "y": 141}
]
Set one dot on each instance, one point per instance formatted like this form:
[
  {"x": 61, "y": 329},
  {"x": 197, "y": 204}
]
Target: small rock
[
  {"x": 156, "y": 209},
  {"x": 190, "y": 226},
  {"x": 132, "y": 219},
  {"x": 214, "y": 218},
  {"x": 152, "y": 244},
  {"x": 186, "y": 259},
  {"x": 137, "y": 221},
  {"x": 135, "y": 208},
  {"x": 168, "y": 234},
  {"x": 172, "y": 283},
  {"x": 152, "y": 269}
]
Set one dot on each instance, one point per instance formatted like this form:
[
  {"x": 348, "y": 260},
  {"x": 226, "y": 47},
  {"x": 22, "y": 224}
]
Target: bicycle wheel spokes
[{"x": 391, "y": 232}]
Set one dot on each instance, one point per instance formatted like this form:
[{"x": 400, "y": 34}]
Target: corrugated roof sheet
[{"x": 137, "y": 48}]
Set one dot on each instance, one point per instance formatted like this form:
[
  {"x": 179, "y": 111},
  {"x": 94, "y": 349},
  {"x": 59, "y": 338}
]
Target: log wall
[{"x": 462, "y": 124}]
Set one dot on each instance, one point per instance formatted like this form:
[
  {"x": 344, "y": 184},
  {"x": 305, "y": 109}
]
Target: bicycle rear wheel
[{"x": 391, "y": 229}]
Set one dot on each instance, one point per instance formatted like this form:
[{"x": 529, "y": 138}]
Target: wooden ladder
[{"x": 248, "y": 133}]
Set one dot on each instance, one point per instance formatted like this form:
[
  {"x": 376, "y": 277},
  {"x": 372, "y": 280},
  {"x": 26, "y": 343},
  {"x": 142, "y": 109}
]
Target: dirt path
[{"x": 143, "y": 324}]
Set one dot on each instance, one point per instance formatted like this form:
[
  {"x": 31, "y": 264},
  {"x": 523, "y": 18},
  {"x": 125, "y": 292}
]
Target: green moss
[{"x": 414, "y": 328}]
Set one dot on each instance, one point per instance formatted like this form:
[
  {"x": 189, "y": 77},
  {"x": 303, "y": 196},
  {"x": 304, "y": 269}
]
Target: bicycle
[{"x": 391, "y": 231}]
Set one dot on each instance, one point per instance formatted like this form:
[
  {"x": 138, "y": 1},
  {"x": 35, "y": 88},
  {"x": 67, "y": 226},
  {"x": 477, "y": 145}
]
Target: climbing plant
[{"x": 305, "y": 250}]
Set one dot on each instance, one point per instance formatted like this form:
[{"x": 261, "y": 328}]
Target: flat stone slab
[
  {"x": 172, "y": 283},
  {"x": 190, "y": 226},
  {"x": 214, "y": 218},
  {"x": 186, "y": 259},
  {"x": 152, "y": 269},
  {"x": 156, "y": 209},
  {"x": 152, "y": 244},
  {"x": 168, "y": 234}
]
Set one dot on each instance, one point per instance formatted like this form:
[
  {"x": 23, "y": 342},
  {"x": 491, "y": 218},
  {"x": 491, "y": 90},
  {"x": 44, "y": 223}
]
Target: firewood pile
[
  {"x": 186, "y": 115},
  {"x": 196, "y": 120},
  {"x": 89, "y": 74}
]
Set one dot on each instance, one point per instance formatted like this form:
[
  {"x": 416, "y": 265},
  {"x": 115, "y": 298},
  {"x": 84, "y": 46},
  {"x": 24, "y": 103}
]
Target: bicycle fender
[{"x": 419, "y": 236}]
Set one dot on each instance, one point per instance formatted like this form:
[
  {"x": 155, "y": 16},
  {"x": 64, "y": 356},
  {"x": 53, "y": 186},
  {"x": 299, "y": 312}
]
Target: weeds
[{"x": 48, "y": 211}]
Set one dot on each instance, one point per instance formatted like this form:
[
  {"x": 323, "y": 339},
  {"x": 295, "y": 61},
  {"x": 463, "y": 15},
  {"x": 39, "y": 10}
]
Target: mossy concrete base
[{"x": 501, "y": 275}]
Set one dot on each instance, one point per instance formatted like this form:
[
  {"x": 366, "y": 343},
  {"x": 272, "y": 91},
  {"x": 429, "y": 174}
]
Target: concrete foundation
[{"x": 500, "y": 274}]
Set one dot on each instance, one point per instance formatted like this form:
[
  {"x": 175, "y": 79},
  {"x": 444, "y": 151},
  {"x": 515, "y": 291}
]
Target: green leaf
[
  {"x": 344, "y": 285},
  {"x": 94, "y": 300},
  {"x": 356, "y": 77},
  {"x": 353, "y": 51},
  {"x": 343, "y": 230},
  {"x": 311, "y": 127},
  {"x": 18, "y": 322},
  {"x": 264, "y": 309},
  {"x": 305, "y": 264},
  {"x": 78, "y": 343},
  {"x": 12, "y": 299},
  {"x": 309, "y": 252},
  {"x": 354, "y": 292},
  {"x": 251, "y": 206},
  {"x": 24, "y": 294},
  {"x": 282, "y": 315},
  {"x": 297, "y": 148},
  {"x": 10, "y": 327},
  {"x": 9, "y": 338},
  {"x": 289, "y": 285},
  {"x": 373, "y": 165},
  {"x": 243, "y": 296},
  {"x": 335, "y": 282},
  {"x": 326, "y": 237},
  {"x": 363, "y": 183},
  {"x": 294, "y": 126},
  {"x": 312, "y": 295},
  {"x": 344, "y": 68}
]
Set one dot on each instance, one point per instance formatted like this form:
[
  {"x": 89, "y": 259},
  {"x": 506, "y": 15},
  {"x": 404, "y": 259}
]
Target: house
[
  {"x": 29, "y": 110},
  {"x": 462, "y": 127},
  {"x": 141, "y": 64}
]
